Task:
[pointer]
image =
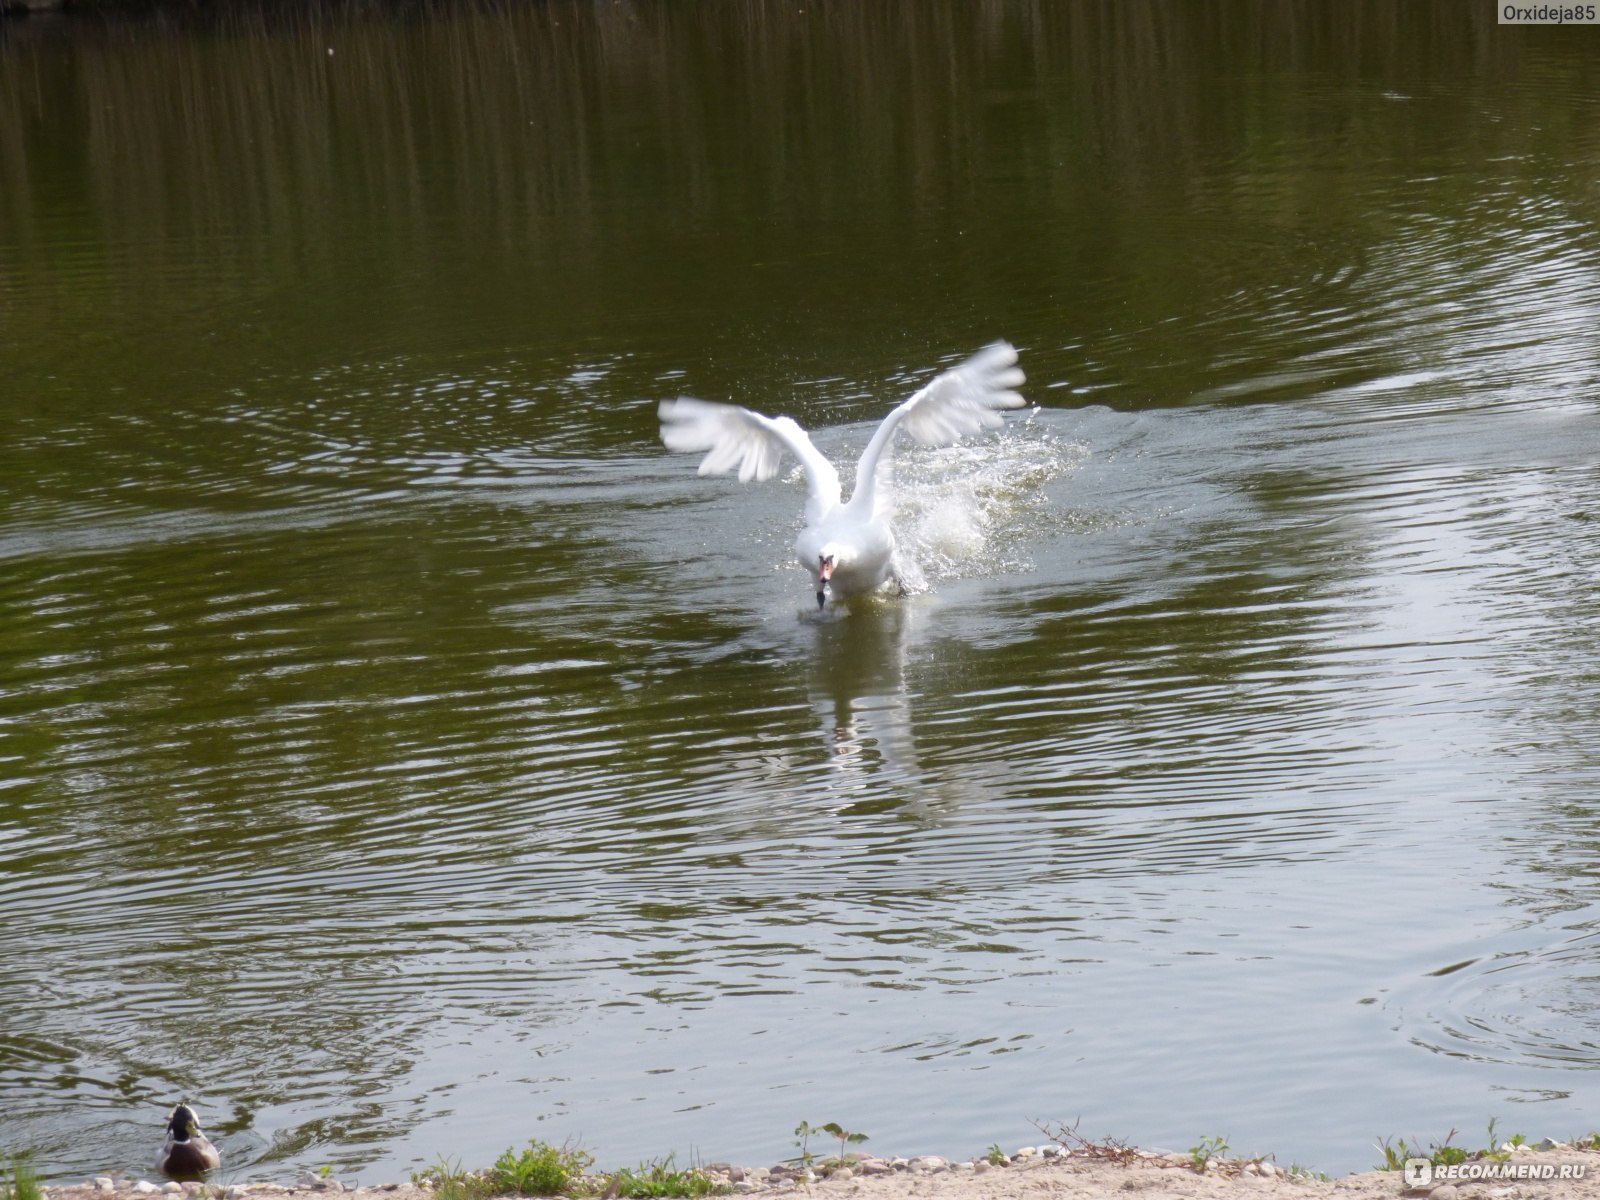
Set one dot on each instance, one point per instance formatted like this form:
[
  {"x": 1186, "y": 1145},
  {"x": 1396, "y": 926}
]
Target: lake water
[{"x": 403, "y": 755}]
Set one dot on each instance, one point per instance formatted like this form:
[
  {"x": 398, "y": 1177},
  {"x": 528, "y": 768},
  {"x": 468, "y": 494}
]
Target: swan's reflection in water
[{"x": 863, "y": 703}]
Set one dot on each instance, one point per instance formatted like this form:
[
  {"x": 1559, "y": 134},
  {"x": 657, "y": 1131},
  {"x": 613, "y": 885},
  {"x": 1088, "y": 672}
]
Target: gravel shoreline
[{"x": 1033, "y": 1173}]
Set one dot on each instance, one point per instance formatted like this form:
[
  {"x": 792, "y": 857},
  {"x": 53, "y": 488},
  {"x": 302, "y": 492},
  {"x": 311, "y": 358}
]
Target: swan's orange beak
[{"x": 824, "y": 578}]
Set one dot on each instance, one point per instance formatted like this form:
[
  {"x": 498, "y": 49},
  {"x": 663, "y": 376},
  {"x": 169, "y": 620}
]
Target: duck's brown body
[{"x": 188, "y": 1153}]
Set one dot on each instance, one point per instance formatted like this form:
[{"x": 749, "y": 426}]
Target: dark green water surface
[{"x": 403, "y": 755}]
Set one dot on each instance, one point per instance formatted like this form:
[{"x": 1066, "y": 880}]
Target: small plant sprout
[
  {"x": 1397, "y": 1150},
  {"x": 540, "y": 1170},
  {"x": 653, "y": 1181},
  {"x": 1500, "y": 1149},
  {"x": 450, "y": 1182},
  {"x": 1209, "y": 1148},
  {"x": 802, "y": 1134},
  {"x": 994, "y": 1156},
  {"x": 846, "y": 1138},
  {"x": 1297, "y": 1172}
]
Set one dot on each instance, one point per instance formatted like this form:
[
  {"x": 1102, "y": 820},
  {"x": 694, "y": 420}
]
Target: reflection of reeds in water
[
  {"x": 272, "y": 140},
  {"x": 518, "y": 112}
]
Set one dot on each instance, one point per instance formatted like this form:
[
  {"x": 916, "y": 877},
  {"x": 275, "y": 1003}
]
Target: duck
[
  {"x": 847, "y": 546},
  {"x": 188, "y": 1152}
]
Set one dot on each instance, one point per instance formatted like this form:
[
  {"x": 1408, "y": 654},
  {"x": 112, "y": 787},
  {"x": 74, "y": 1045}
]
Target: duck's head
[
  {"x": 183, "y": 1124},
  {"x": 824, "y": 578}
]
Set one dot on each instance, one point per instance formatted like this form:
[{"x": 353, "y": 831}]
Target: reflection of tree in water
[{"x": 524, "y": 128}]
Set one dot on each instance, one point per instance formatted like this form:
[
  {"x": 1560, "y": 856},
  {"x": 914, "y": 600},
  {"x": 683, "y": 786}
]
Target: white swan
[{"x": 847, "y": 547}]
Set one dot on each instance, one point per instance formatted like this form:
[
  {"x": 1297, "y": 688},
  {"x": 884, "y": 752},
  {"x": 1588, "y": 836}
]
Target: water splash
[{"x": 967, "y": 509}]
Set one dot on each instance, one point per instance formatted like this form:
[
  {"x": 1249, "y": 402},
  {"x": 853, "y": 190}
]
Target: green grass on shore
[
  {"x": 1397, "y": 1151},
  {"x": 546, "y": 1170},
  {"x": 17, "y": 1179}
]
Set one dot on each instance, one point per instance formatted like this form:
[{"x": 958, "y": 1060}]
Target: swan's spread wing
[
  {"x": 963, "y": 400},
  {"x": 732, "y": 436},
  {"x": 736, "y": 437}
]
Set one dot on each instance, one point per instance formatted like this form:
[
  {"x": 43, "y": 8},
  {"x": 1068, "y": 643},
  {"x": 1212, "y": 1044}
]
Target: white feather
[{"x": 735, "y": 437}]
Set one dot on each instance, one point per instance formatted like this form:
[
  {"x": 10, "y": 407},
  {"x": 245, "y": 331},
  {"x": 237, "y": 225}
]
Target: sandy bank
[{"x": 1558, "y": 1174}]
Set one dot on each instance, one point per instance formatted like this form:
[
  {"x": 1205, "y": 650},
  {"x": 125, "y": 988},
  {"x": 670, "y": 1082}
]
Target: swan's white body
[{"x": 847, "y": 546}]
